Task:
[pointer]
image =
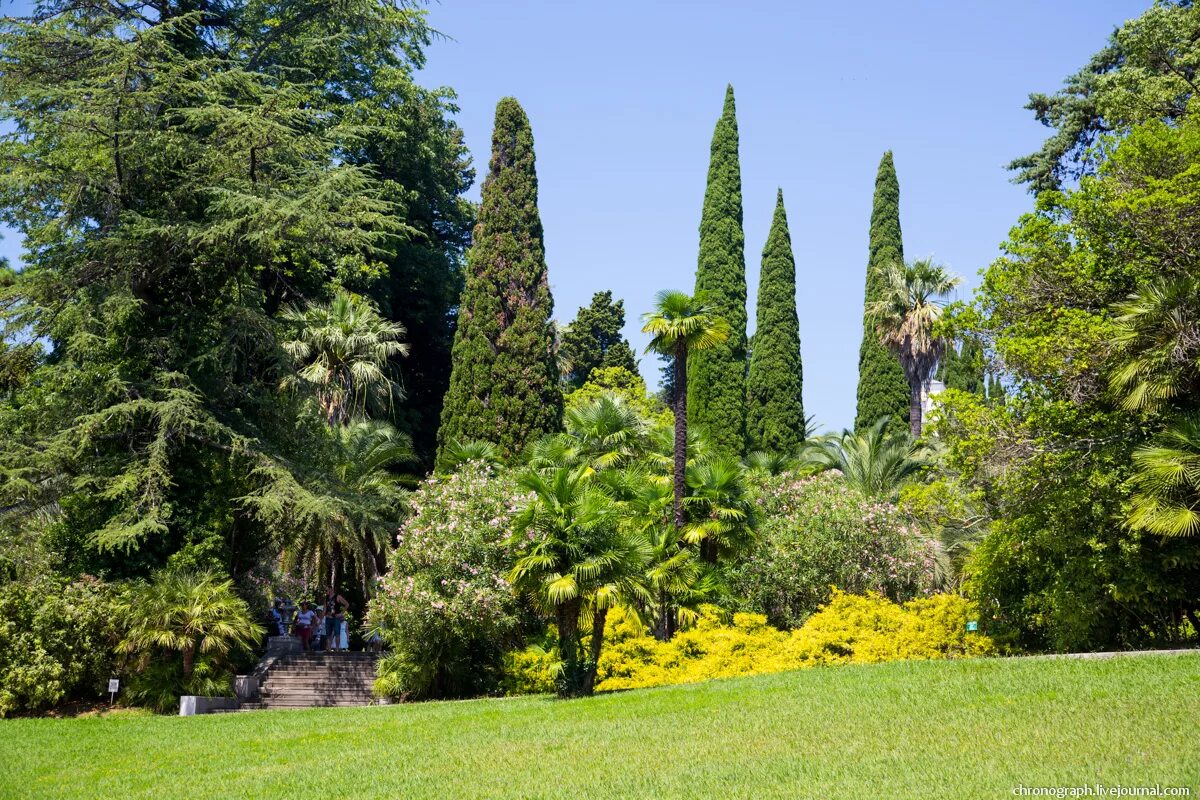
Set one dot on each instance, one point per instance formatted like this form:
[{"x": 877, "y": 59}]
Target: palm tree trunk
[
  {"x": 914, "y": 410},
  {"x": 680, "y": 431},
  {"x": 589, "y": 676},
  {"x": 189, "y": 661},
  {"x": 567, "y": 617}
]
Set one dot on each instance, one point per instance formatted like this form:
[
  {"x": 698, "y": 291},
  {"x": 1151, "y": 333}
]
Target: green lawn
[{"x": 968, "y": 729}]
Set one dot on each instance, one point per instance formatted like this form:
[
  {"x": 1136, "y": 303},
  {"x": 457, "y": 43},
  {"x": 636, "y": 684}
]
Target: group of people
[{"x": 320, "y": 626}]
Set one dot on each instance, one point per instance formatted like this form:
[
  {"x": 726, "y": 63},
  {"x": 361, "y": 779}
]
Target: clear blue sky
[{"x": 623, "y": 97}]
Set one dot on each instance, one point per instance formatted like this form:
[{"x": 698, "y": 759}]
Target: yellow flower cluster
[{"x": 850, "y": 629}]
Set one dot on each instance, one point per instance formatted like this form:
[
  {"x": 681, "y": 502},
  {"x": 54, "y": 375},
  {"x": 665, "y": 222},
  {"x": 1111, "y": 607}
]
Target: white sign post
[{"x": 114, "y": 686}]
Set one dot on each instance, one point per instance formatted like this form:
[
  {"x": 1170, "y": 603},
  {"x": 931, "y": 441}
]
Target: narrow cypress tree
[
  {"x": 504, "y": 381},
  {"x": 774, "y": 402},
  {"x": 717, "y": 376},
  {"x": 882, "y": 387}
]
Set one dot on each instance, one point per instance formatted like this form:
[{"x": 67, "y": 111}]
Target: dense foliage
[
  {"x": 716, "y": 385},
  {"x": 180, "y": 631},
  {"x": 1065, "y": 564},
  {"x": 816, "y": 533},
  {"x": 1146, "y": 71},
  {"x": 850, "y": 629},
  {"x": 775, "y": 380},
  {"x": 446, "y": 611},
  {"x": 56, "y": 642},
  {"x": 882, "y": 388},
  {"x": 594, "y": 341},
  {"x": 504, "y": 387}
]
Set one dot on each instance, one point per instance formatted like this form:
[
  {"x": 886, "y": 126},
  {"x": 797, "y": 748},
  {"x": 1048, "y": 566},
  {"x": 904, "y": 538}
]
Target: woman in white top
[{"x": 304, "y": 624}]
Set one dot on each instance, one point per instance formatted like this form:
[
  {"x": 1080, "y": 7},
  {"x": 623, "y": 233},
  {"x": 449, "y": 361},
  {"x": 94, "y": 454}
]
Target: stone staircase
[{"x": 311, "y": 679}]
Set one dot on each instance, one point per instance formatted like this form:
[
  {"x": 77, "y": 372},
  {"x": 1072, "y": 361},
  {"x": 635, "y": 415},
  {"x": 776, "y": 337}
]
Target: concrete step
[{"x": 320, "y": 691}]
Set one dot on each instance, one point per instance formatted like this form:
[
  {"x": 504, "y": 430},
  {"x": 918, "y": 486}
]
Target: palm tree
[
  {"x": 574, "y": 560},
  {"x": 341, "y": 513},
  {"x": 1166, "y": 499},
  {"x": 909, "y": 305},
  {"x": 342, "y": 351},
  {"x": 456, "y": 452},
  {"x": 185, "y": 613},
  {"x": 607, "y": 431},
  {"x": 678, "y": 325},
  {"x": 1157, "y": 344},
  {"x": 721, "y": 518},
  {"x": 873, "y": 461}
]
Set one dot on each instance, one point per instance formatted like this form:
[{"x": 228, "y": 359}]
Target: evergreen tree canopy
[
  {"x": 717, "y": 376},
  {"x": 504, "y": 384},
  {"x": 962, "y": 369},
  {"x": 594, "y": 340},
  {"x": 1146, "y": 71},
  {"x": 882, "y": 387},
  {"x": 775, "y": 406},
  {"x": 180, "y": 172}
]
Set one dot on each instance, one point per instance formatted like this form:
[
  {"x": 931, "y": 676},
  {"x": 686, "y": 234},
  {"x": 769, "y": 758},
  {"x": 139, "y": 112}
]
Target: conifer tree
[
  {"x": 504, "y": 380},
  {"x": 775, "y": 406},
  {"x": 963, "y": 369},
  {"x": 594, "y": 340},
  {"x": 882, "y": 387},
  {"x": 717, "y": 376}
]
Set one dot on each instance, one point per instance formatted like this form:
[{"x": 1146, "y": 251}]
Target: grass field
[{"x": 970, "y": 729}]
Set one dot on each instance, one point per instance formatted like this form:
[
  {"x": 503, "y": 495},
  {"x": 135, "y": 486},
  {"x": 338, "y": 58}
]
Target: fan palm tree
[
  {"x": 1166, "y": 498},
  {"x": 608, "y": 432},
  {"x": 873, "y": 461},
  {"x": 910, "y": 303},
  {"x": 721, "y": 519},
  {"x": 185, "y": 613},
  {"x": 679, "y": 325},
  {"x": 341, "y": 509},
  {"x": 1157, "y": 344},
  {"x": 574, "y": 561},
  {"x": 676, "y": 580},
  {"x": 342, "y": 350},
  {"x": 456, "y": 452}
]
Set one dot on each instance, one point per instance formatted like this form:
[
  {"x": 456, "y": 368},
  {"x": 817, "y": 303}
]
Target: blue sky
[{"x": 623, "y": 97}]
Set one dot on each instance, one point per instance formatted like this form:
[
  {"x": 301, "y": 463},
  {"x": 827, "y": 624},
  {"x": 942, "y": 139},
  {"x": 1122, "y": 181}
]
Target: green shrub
[
  {"x": 815, "y": 533},
  {"x": 56, "y": 642},
  {"x": 445, "y": 611},
  {"x": 180, "y": 632},
  {"x": 851, "y": 629}
]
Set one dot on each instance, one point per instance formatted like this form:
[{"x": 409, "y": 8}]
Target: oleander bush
[
  {"x": 445, "y": 611},
  {"x": 850, "y": 629},
  {"x": 816, "y": 532},
  {"x": 56, "y": 642}
]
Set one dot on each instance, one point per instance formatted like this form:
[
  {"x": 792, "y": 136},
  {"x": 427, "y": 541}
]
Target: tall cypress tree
[
  {"x": 774, "y": 402},
  {"x": 504, "y": 381},
  {"x": 882, "y": 387},
  {"x": 717, "y": 376}
]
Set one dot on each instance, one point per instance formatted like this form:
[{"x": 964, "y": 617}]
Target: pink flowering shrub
[
  {"x": 817, "y": 532},
  {"x": 445, "y": 610}
]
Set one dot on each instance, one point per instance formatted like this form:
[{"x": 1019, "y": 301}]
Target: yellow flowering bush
[{"x": 850, "y": 629}]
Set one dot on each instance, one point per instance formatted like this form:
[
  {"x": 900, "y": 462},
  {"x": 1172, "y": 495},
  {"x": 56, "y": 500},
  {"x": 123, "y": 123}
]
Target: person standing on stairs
[
  {"x": 335, "y": 616},
  {"x": 304, "y": 625}
]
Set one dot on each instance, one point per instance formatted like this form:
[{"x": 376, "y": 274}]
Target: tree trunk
[
  {"x": 567, "y": 617},
  {"x": 189, "y": 661},
  {"x": 914, "y": 410},
  {"x": 1191, "y": 617},
  {"x": 680, "y": 432},
  {"x": 589, "y": 675}
]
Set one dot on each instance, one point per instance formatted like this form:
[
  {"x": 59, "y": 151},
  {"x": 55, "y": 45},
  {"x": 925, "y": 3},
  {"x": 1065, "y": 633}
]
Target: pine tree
[
  {"x": 882, "y": 388},
  {"x": 717, "y": 377},
  {"x": 775, "y": 406},
  {"x": 504, "y": 381},
  {"x": 594, "y": 340}
]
